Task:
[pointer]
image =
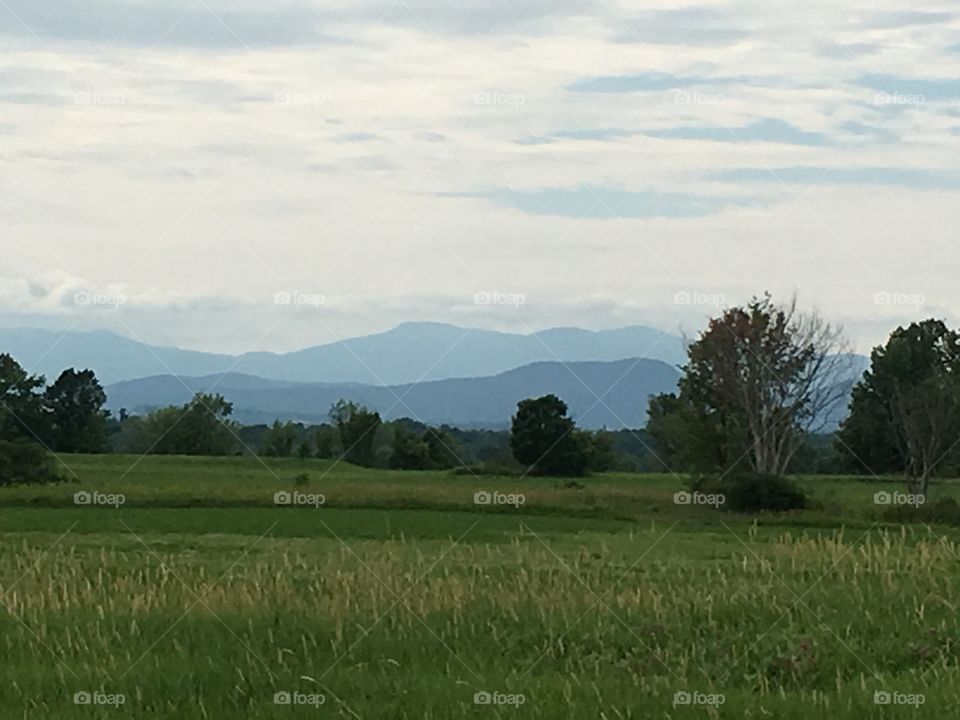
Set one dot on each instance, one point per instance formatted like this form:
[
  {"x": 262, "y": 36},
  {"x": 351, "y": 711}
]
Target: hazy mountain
[
  {"x": 623, "y": 386},
  {"x": 406, "y": 354}
]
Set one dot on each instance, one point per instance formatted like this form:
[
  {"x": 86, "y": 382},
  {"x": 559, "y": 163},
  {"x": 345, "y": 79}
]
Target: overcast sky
[{"x": 235, "y": 175}]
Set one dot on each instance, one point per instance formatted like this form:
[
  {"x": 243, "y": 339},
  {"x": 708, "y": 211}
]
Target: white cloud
[{"x": 324, "y": 148}]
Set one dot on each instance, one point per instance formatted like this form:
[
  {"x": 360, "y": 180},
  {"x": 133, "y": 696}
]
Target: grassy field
[{"x": 399, "y": 597}]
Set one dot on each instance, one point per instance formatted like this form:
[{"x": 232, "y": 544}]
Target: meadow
[{"x": 182, "y": 588}]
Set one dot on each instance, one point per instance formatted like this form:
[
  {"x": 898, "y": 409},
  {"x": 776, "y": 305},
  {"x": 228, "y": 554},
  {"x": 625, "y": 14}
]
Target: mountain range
[
  {"x": 599, "y": 394},
  {"x": 409, "y": 353}
]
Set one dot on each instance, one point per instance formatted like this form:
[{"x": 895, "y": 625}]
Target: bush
[
  {"x": 753, "y": 492},
  {"x": 945, "y": 510},
  {"x": 301, "y": 479},
  {"x": 25, "y": 462}
]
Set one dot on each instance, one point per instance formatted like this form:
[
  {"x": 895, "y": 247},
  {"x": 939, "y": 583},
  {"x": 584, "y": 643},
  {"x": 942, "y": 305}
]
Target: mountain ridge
[
  {"x": 600, "y": 394},
  {"x": 406, "y": 353}
]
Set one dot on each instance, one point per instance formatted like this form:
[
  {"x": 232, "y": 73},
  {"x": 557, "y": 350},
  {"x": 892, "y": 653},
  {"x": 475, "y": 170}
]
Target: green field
[{"x": 399, "y": 597}]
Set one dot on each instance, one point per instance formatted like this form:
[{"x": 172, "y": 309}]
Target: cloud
[
  {"x": 178, "y": 23},
  {"x": 931, "y": 89},
  {"x": 695, "y": 25},
  {"x": 599, "y": 134},
  {"x": 915, "y": 179},
  {"x": 768, "y": 130},
  {"x": 850, "y": 51},
  {"x": 357, "y": 137},
  {"x": 899, "y": 19},
  {"x": 593, "y": 202},
  {"x": 651, "y": 81}
]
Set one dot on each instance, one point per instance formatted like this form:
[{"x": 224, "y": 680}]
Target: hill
[
  {"x": 611, "y": 394},
  {"x": 406, "y": 354}
]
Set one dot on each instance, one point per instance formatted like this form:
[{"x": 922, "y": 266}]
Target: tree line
[{"x": 760, "y": 384}]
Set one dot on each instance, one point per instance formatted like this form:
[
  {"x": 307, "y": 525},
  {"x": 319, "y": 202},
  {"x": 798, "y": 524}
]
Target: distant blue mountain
[
  {"x": 408, "y": 353},
  {"x": 600, "y": 394}
]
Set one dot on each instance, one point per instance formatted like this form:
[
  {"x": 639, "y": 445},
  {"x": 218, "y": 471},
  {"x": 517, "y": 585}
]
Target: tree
[
  {"x": 358, "y": 428},
  {"x": 758, "y": 379},
  {"x": 279, "y": 440},
  {"x": 905, "y": 412},
  {"x": 23, "y": 459},
  {"x": 21, "y": 402},
  {"x": 200, "y": 427},
  {"x": 442, "y": 448},
  {"x": 409, "y": 451},
  {"x": 600, "y": 450},
  {"x": 432, "y": 450},
  {"x": 76, "y": 421},
  {"x": 542, "y": 437},
  {"x": 327, "y": 442}
]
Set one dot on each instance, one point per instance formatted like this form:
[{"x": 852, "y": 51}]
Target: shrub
[
  {"x": 753, "y": 492},
  {"x": 945, "y": 510},
  {"x": 25, "y": 462},
  {"x": 301, "y": 479}
]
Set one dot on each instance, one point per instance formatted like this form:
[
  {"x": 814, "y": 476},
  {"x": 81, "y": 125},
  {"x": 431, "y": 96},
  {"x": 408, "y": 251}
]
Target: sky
[{"x": 233, "y": 175}]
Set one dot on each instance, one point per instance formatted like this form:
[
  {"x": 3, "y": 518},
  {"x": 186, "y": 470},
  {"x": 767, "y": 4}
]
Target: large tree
[
  {"x": 358, "y": 430},
  {"x": 23, "y": 459},
  {"x": 200, "y": 427},
  {"x": 543, "y": 438},
  {"x": 21, "y": 402},
  {"x": 757, "y": 380},
  {"x": 76, "y": 421},
  {"x": 905, "y": 412}
]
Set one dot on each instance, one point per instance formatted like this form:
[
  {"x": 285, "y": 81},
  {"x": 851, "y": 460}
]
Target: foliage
[
  {"x": 279, "y": 440},
  {"x": 76, "y": 421},
  {"x": 358, "y": 431},
  {"x": 758, "y": 379},
  {"x": 21, "y": 402},
  {"x": 753, "y": 492},
  {"x": 26, "y": 462},
  {"x": 544, "y": 439},
  {"x": 200, "y": 427},
  {"x": 905, "y": 412}
]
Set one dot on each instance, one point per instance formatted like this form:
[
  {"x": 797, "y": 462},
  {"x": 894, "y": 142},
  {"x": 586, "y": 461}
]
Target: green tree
[
  {"x": 758, "y": 379},
  {"x": 601, "y": 453},
  {"x": 21, "y": 402},
  {"x": 200, "y": 427},
  {"x": 76, "y": 421},
  {"x": 408, "y": 451},
  {"x": 905, "y": 412},
  {"x": 358, "y": 429},
  {"x": 542, "y": 437},
  {"x": 280, "y": 439},
  {"x": 23, "y": 459},
  {"x": 327, "y": 441}
]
